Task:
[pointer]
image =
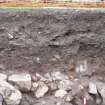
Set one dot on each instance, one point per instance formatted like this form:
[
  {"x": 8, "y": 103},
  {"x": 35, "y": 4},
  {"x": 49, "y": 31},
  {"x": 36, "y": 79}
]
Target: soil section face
[{"x": 46, "y": 40}]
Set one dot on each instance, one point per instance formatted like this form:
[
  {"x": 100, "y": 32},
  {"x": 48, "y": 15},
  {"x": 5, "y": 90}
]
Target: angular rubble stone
[
  {"x": 92, "y": 88},
  {"x": 41, "y": 90},
  {"x": 68, "y": 98},
  {"x": 58, "y": 76},
  {"x": 65, "y": 84},
  {"x": 53, "y": 86},
  {"x": 34, "y": 86},
  {"x": 22, "y": 81},
  {"x": 11, "y": 95},
  {"x": 60, "y": 93},
  {"x": 3, "y": 77}
]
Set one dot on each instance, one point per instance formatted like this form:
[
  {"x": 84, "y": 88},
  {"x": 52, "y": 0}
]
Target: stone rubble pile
[{"x": 71, "y": 90}]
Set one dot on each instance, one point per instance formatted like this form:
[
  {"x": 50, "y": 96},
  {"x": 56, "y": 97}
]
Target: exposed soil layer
[{"x": 46, "y": 40}]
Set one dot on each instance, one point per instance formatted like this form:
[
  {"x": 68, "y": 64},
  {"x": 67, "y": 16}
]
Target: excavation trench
[{"x": 47, "y": 40}]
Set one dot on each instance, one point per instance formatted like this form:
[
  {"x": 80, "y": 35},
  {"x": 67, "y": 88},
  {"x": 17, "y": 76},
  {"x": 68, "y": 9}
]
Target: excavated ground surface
[{"x": 47, "y": 40}]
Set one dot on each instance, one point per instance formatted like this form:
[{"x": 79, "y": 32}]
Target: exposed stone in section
[{"x": 22, "y": 81}]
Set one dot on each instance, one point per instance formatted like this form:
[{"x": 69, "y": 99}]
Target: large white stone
[
  {"x": 60, "y": 93},
  {"x": 92, "y": 88},
  {"x": 41, "y": 90},
  {"x": 3, "y": 77},
  {"x": 22, "y": 81},
  {"x": 11, "y": 95}
]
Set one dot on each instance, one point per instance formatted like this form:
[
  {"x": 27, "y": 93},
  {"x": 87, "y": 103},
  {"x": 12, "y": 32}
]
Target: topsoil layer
[{"x": 46, "y": 40}]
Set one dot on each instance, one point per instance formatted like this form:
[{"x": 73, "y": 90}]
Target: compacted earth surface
[{"x": 56, "y": 44}]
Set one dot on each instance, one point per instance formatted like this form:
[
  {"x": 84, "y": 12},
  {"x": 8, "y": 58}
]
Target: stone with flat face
[
  {"x": 22, "y": 81},
  {"x": 60, "y": 93},
  {"x": 11, "y": 95},
  {"x": 41, "y": 90},
  {"x": 92, "y": 88}
]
